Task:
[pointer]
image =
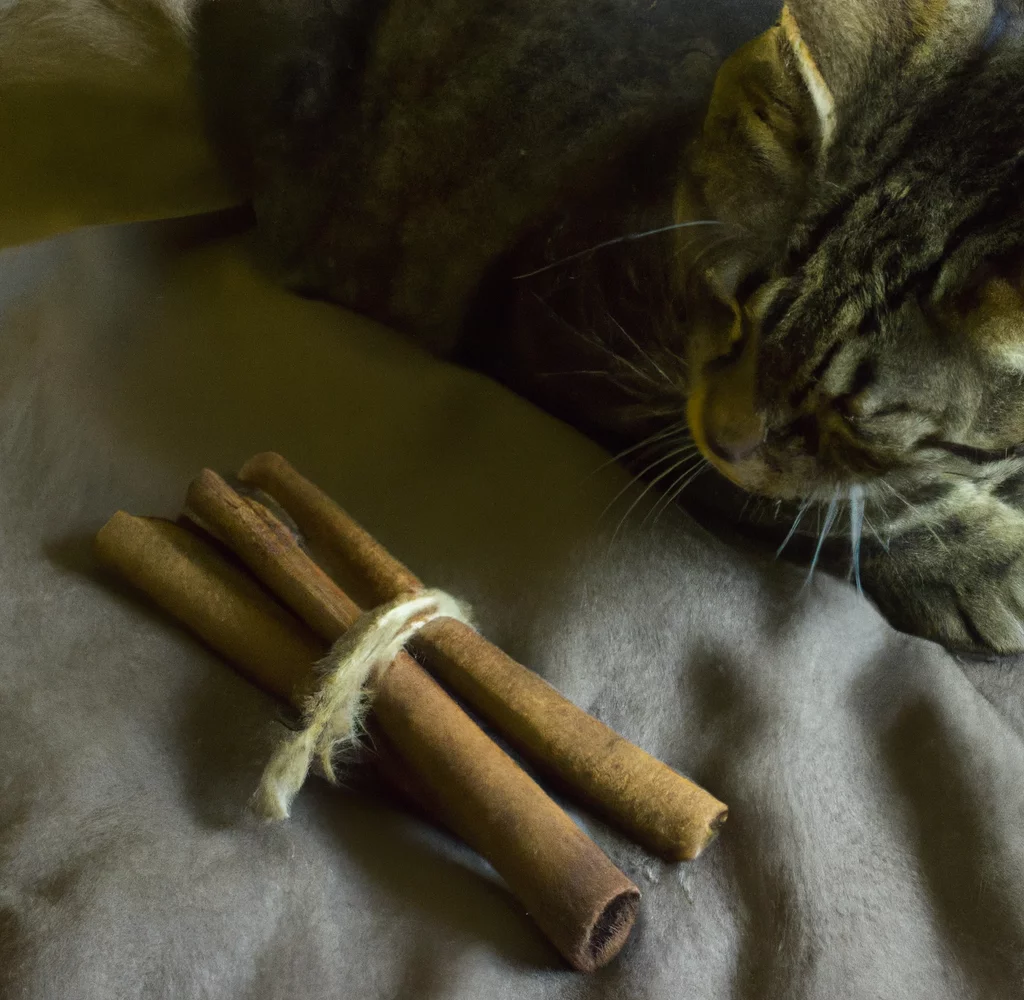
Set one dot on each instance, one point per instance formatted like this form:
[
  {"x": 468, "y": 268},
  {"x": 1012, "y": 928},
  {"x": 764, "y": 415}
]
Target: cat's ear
[
  {"x": 837, "y": 45},
  {"x": 809, "y": 67}
]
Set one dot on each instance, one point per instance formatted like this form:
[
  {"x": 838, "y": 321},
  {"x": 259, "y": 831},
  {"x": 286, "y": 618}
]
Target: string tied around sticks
[{"x": 333, "y": 715}]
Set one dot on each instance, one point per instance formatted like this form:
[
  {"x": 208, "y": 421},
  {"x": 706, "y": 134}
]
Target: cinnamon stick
[
  {"x": 635, "y": 791},
  {"x": 581, "y": 901},
  {"x": 219, "y": 602}
]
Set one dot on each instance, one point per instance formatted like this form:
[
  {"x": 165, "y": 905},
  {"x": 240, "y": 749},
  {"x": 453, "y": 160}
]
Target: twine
[{"x": 333, "y": 715}]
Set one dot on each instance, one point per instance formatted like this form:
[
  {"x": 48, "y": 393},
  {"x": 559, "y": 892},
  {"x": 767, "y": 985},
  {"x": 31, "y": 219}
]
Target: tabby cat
[{"x": 809, "y": 261}]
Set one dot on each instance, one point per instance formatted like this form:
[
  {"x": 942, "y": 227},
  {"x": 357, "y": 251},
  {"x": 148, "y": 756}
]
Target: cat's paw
[
  {"x": 977, "y": 616},
  {"x": 966, "y": 593}
]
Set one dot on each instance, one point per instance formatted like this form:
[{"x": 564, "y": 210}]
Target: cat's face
[{"x": 861, "y": 315}]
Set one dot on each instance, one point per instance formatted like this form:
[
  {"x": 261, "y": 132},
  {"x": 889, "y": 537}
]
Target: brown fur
[{"x": 841, "y": 326}]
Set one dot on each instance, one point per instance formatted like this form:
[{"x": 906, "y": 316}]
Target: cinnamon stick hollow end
[
  {"x": 599, "y": 928},
  {"x": 583, "y": 903}
]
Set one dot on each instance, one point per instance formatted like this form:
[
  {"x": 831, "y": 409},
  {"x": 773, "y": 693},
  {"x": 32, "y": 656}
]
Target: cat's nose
[
  {"x": 734, "y": 444},
  {"x": 724, "y": 408},
  {"x": 733, "y": 431}
]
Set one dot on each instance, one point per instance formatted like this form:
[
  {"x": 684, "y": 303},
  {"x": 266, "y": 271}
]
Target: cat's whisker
[
  {"x": 597, "y": 373},
  {"x": 874, "y": 531},
  {"x": 635, "y": 369},
  {"x": 628, "y": 238},
  {"x": 661, "y": 371},
  {"x": 625, "y": 362},
  {"x": 650, "y": 486},
  {"x": 793, "y": 530},
  {"x": 684, "y": 452},
  {"x": 856, "y": 531},
  {"x": 684, "y": 481},
  {"x": 581, "y": 371},
  {"x": 830, "y": 520},
  {"x": 676, "y": 430},
  {"x": 683, "y": 447},
  {"x": 665, "y": 499},
  {"x": 592, "y": 341},
  {"x": 595, "y": 341},
  {"x": 760, "y": 507},
  {"x": 916, "y": 511}
]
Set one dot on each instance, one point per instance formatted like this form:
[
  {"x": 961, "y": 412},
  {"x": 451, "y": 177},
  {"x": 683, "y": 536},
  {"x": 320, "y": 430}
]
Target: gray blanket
[{"x": 874, "y": 847}]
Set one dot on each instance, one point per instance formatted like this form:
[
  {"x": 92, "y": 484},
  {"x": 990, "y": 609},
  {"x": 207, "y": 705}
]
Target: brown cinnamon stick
[
  {"x": 644, "y": 797},
  {"x": 222, "y": 604},
  {"x": 584, "y": 904}
]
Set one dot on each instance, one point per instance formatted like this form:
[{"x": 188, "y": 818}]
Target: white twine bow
[{"x": 333, "y": 716}]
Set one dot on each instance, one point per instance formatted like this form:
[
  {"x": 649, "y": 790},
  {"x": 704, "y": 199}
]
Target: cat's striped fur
[{"x": 844, "y": 334}]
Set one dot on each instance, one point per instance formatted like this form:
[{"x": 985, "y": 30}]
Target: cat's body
[
  {"x": 400, "y": 147},
  {"x": 837, "y": 316}
]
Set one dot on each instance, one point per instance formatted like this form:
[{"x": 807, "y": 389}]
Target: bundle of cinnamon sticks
[{"x": 274, "y": 619}]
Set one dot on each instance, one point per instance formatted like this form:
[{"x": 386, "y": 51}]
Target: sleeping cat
[{"x": 810, "y": 263}]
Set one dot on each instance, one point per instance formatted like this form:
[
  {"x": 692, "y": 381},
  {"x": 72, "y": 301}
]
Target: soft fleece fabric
[{"x": 876, "y": 784}]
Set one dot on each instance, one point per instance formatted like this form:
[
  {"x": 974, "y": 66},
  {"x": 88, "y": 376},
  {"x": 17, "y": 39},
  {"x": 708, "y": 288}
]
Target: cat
[{"x": 808, "y": 258}]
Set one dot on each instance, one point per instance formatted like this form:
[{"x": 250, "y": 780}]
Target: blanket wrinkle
[
  {"x": 875, "y": 794},
  {"x": 874, "y": 783}
]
